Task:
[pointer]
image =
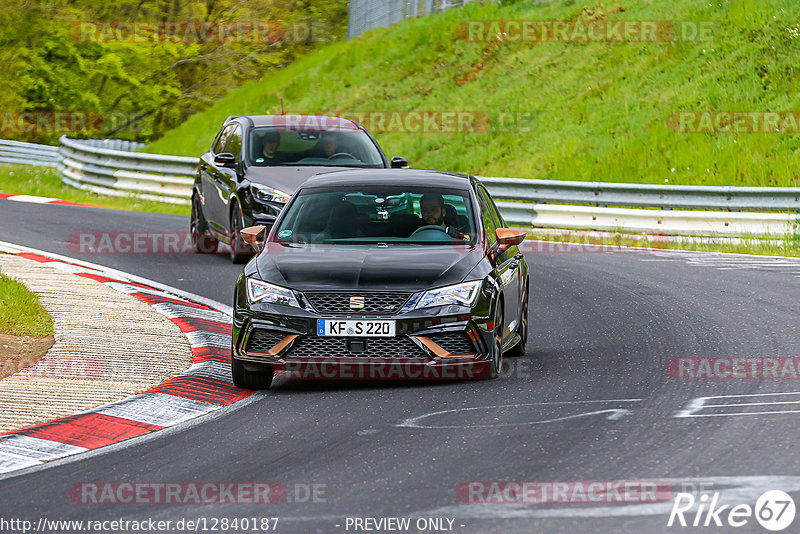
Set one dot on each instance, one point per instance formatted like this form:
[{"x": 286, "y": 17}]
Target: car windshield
[
  {"x": 271, "y": 146},
  {"x": 385, "y": 215}
]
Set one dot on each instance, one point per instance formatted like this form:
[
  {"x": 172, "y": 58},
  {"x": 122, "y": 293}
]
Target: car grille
[
  {"x": 454, "y": 342},
  {"x": 336, "y": 347},
  {"x": 263, "y": 340},
  {"x": 374, "y": 302}
]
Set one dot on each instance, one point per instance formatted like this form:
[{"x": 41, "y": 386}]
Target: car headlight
[
  {"x": 463, "y": 294},
  {"x": 258, "y": 291},
  {"x": 268, "y": 194}
]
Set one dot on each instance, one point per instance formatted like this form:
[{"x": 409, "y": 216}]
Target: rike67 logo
[{"x": 774, "y": 510}]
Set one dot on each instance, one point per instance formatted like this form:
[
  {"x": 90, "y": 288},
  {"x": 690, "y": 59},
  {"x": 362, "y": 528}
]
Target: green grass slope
[
  {"x": 21, "y": 313},
  {"x": 589, "y": 111}
]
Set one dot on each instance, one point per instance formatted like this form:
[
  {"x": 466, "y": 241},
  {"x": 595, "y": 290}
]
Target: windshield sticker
[{"x": 284, "y": 233}]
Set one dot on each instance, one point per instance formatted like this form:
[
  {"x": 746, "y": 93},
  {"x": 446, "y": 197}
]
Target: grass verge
[
  {"x": 45, "y": 182},
  {"x": 21, "y": 313}
]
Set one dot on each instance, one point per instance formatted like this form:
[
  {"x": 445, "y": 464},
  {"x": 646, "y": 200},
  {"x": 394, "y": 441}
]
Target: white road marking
[
  {"x": 41, "y": 449},
  {"x": 10, "y": 462},
  {"x": 157, "y": 409},
  {"x": 613, "y": 414},
  {"x": 213, "y": 370},
  {"x": 175, "y": 311},
  {"x": 731, "y": 261},
  {"x": 32, "y": 199},
  {"x": 701, "y": 403},
  {"x": 19, "y": 452},
  {"x": 208, "y": 339}
]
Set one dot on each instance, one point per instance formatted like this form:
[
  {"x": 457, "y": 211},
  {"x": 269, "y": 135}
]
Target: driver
[
  {"x": 432, "y": 207},
  {"x": 329, "y": 144},
  {"x": 269, "y": 151}
]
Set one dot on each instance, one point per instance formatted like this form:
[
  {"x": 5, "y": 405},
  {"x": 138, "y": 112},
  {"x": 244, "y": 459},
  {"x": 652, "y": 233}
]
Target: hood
[
  {"x": 287, "y": 179},
  {"x": 396, "y": 267}
]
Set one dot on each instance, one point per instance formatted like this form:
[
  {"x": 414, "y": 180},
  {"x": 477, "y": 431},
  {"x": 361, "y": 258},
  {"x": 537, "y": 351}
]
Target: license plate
[{"x": 360, "y": 328}]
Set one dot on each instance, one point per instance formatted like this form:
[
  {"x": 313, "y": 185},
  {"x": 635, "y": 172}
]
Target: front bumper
[{"x": 447, "y": 342}]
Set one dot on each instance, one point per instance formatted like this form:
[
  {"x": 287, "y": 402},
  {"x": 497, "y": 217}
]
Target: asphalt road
[{"x": 591, "y": 401}]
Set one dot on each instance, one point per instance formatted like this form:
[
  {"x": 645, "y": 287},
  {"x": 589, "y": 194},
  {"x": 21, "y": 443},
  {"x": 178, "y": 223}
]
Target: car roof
[
  {"x": 301, "y": 121},
  {"x": 392, "y": 177}
]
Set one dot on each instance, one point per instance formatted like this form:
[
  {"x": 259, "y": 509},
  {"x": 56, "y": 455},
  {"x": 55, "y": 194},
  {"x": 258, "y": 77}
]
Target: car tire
[
  {"x": 202, "y": 241},
  {"x": 239, "y": 252},
  {"x": 522, "y": 329},
  {"x": 496, "y": 354},
  {"x": 242, "y": 378}
]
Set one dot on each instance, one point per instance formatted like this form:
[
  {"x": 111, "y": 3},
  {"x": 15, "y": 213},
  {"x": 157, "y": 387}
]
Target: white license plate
[{"x": 360, "y": 328}]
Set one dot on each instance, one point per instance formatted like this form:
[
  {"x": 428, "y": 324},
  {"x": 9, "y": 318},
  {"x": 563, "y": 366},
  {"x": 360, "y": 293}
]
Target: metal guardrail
[
  {"x": 124, "y": 172},
  {"x": 364, "y": 15},
  {"x": 28, "y": 153},
  {"x": 550, "y": 204},
  {"x": 114, "y": 144},
  {"x": 646, "y": 195},
  {"x": 112, "y": 167},
  {"x": 667, "y": 222}
]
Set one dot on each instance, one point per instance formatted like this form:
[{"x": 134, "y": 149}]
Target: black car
[
  {"x": 381, "y": 274},
  {"x": 256, "y": 162}
]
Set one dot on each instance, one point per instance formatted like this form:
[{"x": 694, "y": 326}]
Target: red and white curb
[
  {"x": 203, "y": 388},
  {"x": 42, "y": 200}
]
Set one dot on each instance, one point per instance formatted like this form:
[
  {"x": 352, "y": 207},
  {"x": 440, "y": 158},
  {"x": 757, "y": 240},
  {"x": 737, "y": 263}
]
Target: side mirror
[
  {"x": 506, "y": 238},
  {"x": 226, "y": 159},
  {"x": 399, "y": 163},
  {"x": 250, "y": 236}
]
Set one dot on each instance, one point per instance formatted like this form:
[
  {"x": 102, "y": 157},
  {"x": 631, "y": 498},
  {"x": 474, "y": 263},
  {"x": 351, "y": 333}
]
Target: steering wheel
[
  {"x": 429, "y": 227},
  {"x": 338, "y": 154}
]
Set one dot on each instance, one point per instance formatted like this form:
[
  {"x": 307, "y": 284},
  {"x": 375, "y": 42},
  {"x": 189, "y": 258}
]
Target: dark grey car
[{"x": 256, "y": 162}]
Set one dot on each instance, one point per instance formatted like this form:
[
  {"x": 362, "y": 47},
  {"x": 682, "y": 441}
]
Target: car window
[
  {"x": 489, "y": 223},
  {"x": 234, "y": 143},
  {"x": 391, "y": 214},
  {"x": 222, "y": 139},
  {"x": 493, "y": 208},
  {"x": 270, "y": 146}
]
